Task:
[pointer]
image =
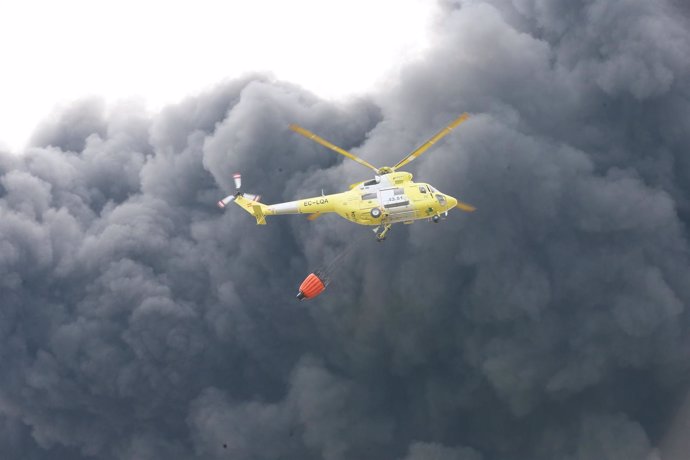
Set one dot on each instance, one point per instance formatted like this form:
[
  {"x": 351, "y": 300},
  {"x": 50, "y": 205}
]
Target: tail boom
[{"x": 315, "y": 205}]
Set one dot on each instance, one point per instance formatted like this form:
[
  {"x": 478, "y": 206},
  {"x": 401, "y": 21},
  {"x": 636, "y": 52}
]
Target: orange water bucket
[{"x": 312, "y": 286}]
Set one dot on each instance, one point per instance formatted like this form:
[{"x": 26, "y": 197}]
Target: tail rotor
[{"x": 237, "y": 178}]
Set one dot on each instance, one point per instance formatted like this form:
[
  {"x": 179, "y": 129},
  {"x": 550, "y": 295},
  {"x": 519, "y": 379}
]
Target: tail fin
[
  {"x": 259, "y": 214},
  {"x": 254, "y": 208}
]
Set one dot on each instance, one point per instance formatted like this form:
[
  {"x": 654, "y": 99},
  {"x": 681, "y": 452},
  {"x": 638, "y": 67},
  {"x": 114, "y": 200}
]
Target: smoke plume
[{"x": 140, "y": 322}]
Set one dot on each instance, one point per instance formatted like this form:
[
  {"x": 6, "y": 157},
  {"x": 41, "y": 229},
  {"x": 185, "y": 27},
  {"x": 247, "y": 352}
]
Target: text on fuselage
[{"x": 315, "y": 202}]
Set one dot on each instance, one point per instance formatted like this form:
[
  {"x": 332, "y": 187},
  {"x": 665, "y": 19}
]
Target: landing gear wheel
[
  {"x": 435, "y": 219},
  {"x": 375, "y": 213}
]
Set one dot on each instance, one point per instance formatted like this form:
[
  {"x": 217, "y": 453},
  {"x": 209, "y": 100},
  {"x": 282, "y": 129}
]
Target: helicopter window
[
  {"x": 370, "y": 182},
  {"x": 398, "y": 191},
  {"x": 422, "y": 189},
  {"x": 441, "y": 199},
  {"x": 369, "y": 196}
]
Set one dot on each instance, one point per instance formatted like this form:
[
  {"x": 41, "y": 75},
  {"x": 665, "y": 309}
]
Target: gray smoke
[{"x": 138, "y": 321}]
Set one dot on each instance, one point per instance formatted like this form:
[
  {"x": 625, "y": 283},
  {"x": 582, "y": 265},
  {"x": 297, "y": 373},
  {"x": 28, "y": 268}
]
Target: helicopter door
[
  {"x": 393, "y": 198},
  {"x": 368, "y": 201}
]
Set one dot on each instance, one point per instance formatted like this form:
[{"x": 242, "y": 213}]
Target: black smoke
[{"x": 137, "y": 321}]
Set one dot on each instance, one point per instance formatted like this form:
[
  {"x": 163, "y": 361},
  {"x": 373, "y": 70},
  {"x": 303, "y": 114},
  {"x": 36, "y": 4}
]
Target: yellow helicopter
[{"x": 390, "y": 197}]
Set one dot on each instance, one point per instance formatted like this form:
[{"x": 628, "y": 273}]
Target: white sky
[{"x": 53, "y": 52}]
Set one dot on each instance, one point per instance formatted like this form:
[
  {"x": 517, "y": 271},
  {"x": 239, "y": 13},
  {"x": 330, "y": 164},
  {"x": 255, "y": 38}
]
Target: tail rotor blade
[
  {"x": 226, "y": 201},
  {"x": 237, "y": 177}
]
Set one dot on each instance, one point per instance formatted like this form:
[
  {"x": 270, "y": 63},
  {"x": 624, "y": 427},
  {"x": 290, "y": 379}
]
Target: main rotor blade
[
  {"x": 437, "y": 137},
  {"x": 309, "y": 135},
  {"x": 465, "y": 207}
]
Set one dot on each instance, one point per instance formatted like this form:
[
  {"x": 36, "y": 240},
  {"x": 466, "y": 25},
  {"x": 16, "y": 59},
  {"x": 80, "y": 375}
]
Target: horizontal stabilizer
[{"x": 256, "y": 209}]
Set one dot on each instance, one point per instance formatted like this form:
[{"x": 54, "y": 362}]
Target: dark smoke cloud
[{"x": 140, "y": 322}]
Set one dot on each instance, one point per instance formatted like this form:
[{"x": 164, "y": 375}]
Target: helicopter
[{"x": 390, "y": 197}]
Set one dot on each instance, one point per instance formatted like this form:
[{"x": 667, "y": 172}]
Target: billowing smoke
[{"x": 138, "y": 321}]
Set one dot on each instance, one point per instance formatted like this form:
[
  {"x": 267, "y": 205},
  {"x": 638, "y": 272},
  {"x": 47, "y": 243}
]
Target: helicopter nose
[{"x": 452, "y": 202}]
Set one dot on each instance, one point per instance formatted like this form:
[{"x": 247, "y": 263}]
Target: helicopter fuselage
[
  {"x": 389, "y": 198},
  {"x": 386, "y": 199}
]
